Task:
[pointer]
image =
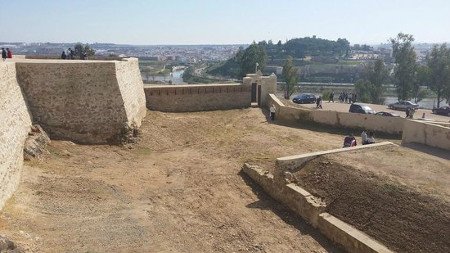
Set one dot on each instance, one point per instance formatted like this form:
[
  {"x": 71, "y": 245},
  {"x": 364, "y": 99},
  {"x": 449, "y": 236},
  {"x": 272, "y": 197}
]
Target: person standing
[
  {"x": 63, "y": 55},
  {"x": 71, "y": 54},
  {"x": 3, "y": 54},
  {"x": 272, "y": 110},
  {"x": 9, "y": 53}
]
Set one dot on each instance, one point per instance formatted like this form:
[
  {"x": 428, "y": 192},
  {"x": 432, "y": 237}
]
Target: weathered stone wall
[
  {"x": 426, "y": 133},
  {"x": 268, "y": 85},
  {"x": 83, "y": 101},
  {"x": 189, "y": 98},
  {"x": 14, "y": 127},
  {"x": 132, "y": 90}
]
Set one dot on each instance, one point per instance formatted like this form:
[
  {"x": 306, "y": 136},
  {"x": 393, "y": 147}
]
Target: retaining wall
[
  {"x": 190, "y": 98},
  {"x": 310, "y": 208},
  {"x": 83, "y": 101},
  {"x": 435, "y": 135},
  {"x": 14, "y": 127},
  {"x": 295, "y": 115}
]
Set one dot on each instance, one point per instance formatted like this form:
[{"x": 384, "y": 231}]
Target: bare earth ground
[
  {"x": 402, "y": 199},
  {"x": 177, "y": 190},
  {"x": 343, "y": 107}
]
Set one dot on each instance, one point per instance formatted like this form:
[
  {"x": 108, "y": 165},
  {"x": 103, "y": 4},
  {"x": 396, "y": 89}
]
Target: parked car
[
  {"x": 402, "y": 105},
  {"x": 387, "y": 114},
  {"x": 444, "y": 110},
  {"x": 361, "y": 108},
  {"x": 305, "y": 98}
]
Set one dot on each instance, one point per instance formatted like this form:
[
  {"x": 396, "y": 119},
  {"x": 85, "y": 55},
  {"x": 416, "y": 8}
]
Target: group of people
[
  {"x": 6, "y": 53},
  {"x": 70, "y": 55},
  {"x": 366, "y": 138},
  {"x": 345, "y": 97}
]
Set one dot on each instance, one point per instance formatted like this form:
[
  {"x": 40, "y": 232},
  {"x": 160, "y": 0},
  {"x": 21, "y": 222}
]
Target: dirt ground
[
  {"x": 179, "y": 189},
  {"x": 402, "y": 200}
]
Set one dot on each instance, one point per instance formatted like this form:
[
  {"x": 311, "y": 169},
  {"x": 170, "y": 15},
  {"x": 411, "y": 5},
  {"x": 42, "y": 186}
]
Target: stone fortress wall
[
  {"x": 190, "y": 98},
  {"x": 14, "y": 127},
  {"x": 92, "y": 102},
  {"x": 84, "y": 101}
]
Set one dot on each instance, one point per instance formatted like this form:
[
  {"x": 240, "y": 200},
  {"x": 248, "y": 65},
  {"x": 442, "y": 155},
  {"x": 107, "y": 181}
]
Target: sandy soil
[
  {"x": 178, "y": 190},
  {"x": 343, "y": 107},
  {"x": 402, "y": 200}
]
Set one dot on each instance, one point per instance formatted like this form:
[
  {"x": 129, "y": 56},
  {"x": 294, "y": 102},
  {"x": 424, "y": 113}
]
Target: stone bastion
[{"x": 90, "y": 102}]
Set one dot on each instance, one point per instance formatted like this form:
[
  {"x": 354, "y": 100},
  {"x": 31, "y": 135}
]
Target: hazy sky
[{"x": 221, "y": 21}]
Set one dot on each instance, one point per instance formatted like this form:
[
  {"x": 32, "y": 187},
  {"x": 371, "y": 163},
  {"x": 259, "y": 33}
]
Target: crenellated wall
[
  {"x": 15, "y": 122},
  {"x": 190, "y": 98},
  {"x": 83, "y": 101}
]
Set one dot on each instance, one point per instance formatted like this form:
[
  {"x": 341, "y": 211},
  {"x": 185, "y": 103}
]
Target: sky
[{"x": 183, "y": 22}]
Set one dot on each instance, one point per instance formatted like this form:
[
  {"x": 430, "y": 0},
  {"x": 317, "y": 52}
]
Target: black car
[
  {"x": 387, "y": 114},
  {"x": 444, "y": 110},
  {"x": 305, "y": 98},
  {"x": 361, "y": 108}
]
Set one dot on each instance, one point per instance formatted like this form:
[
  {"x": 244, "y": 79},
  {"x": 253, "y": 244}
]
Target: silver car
[{"x": 402, "y": 105}]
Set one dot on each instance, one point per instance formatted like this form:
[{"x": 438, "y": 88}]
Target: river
[{"x": 176, "y": 77}]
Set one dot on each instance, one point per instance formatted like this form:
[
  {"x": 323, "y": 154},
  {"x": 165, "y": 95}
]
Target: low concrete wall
[
  {"x": 295, "y": 115},
  {"x": 293, "y": 162},
  {"x": 311, "y": 209},
  {"x": 434, "y": 135},
  {"x": 190, "y": 98},
  {"x": 84, "y": 101},
  {"x": 14, "y": 127}
]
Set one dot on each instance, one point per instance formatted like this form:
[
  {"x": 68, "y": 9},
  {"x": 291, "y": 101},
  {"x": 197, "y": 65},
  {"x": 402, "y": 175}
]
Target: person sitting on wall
[
  {"x": 367, "y": 138},
  {"x": 9, "y": 53},
  {"x": 63, "y": 55},
  {"x": 349, "y": 141},
  {"x": 272, "y": 110}
]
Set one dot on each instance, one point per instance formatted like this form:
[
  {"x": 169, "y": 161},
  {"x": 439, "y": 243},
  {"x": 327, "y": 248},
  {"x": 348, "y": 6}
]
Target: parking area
[{"x": 343, "y": 107}]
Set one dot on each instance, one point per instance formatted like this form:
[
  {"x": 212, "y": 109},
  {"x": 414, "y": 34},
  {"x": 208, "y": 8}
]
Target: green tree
[
  {"x": 422, "y": 79},
  {"x": 81, "y": 50},
  {"x": 290, "y": 76},
  {"x": 377, "y": 75},
  {"x": 438, "y": 62},
  {"x": 363, "y": 88},
  {"x": 405, "y": 65},
  {"x": 370, "y": 88},
  {"x": 252, "y": 56}
]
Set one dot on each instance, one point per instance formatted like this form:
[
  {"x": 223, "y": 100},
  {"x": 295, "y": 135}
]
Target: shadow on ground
[{"x": 266, "y": 202}]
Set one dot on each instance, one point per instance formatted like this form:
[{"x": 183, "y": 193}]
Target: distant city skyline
[{"x": 201, "y": 22}]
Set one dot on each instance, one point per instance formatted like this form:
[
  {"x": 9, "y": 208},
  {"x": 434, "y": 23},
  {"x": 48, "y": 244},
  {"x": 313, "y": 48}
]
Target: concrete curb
[
  {"x": 311, "y": 209},
  {"x": 292, "y": 162}
]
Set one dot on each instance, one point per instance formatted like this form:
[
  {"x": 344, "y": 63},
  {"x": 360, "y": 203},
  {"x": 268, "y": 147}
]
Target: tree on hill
[
  {"x": 253, "y": 55},
  {"x": 290, "y": 76},
  {"x": 405, "y": 65},
  {"x": 301, "y": 47},
  {"x": 83, "y": 51}
]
